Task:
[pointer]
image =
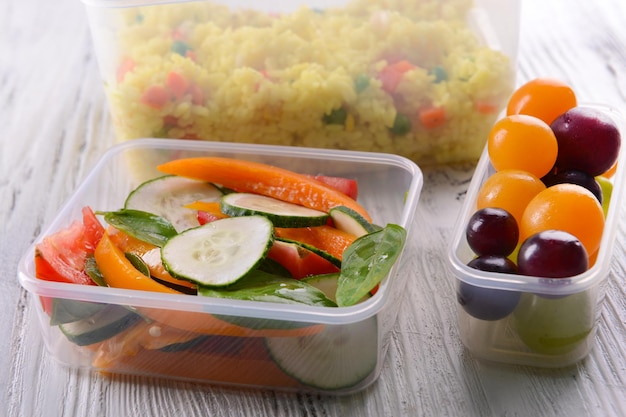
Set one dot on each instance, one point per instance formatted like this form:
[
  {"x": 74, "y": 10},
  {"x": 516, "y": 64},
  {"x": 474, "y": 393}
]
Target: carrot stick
[
  {"x": 254, "y": 177},
  {"x": 118, "y": 272},
  {"x": 326, "y": 238}
]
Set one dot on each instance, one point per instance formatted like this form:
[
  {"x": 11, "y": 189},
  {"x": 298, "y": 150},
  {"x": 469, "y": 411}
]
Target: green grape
[{"x": 554, "y": 325}]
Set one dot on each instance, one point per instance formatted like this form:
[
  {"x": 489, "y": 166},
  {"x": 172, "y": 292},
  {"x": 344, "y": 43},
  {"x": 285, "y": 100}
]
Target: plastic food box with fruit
[
  {"x": 532, "y": 246},
  {"x": 250, "y": 265}
]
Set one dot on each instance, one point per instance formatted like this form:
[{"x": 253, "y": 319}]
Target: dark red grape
[
  {"x": 575, "y": 177},
  {"x": 588, "y": 141},
  {"x": 492, "y": 231},
  {"x": 552, "y": 254},
  {"x": 488, "y": 303}
]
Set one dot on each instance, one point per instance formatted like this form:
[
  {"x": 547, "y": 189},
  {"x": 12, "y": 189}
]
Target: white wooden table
[{"x": 54, "y": 127}]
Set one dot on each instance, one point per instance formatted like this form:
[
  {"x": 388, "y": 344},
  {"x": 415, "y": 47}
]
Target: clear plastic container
[
  {"x": 421, "y": 79},
  {"x": 554, "y": 321},
  {"x": 222, "y": 341}
]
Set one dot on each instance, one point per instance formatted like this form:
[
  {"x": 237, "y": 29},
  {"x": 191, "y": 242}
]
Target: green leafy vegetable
[
  {"x": 367, "y": 261},
  {"x": 261, "y": 286},
  {"x": 138, "y": 263},
  {"x": 401, "y": 125},
  {"x": 142, "y": 225},
  {"x": 336, "y": 117},
  {"x": 91, "y": 268}
]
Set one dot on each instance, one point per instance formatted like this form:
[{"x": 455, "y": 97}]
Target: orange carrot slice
[
  {"x": 254, "y": 177},
  {"x": 118, "y": 272},
  {"x": 149, "y": 253},
  {"x": 326, "y": 238},
  {"x": 211, "y": 207},
  {"x": 250, "y": 365}
]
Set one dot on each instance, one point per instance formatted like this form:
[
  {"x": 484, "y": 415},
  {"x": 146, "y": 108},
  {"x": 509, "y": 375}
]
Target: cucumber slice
[
  {"x": 338, "y": 357},
  {"x": 281, "y": 213},
  {"x": 67, "y": 311},
  {"x": 349, "y": 221},
  {"x": 328, "y": 283},
  {"x": 218, "y": 253},
  {"x": 106, "y": 323},
  {"x": 166, "y": 196},
  {"x": 331, "y": 258}
]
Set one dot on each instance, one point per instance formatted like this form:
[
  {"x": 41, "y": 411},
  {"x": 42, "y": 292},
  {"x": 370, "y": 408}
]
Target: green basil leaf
[
  {"x": 261, "y": 286},
  {"x": 367, "y": 261},
  {"x": 142, "y": 225},
  {"x": 91, "y": 269},
  {"x": 138, "y": 263}
]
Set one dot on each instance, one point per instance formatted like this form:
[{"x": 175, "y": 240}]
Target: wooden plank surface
[{"x": 55, "y": 125}]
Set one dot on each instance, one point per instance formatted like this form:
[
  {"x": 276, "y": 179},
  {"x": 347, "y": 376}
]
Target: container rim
[
  {"x": 551, "y": 286},
  {"x": 256, "y": 309}
]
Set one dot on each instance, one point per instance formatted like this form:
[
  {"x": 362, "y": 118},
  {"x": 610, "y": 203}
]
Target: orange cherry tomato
[
  {"x": 510, "y": 190},
  {"x": 545, "y": 98},
  {"x": 522, "y": 142},
  {"x": 567, "y": 207}
]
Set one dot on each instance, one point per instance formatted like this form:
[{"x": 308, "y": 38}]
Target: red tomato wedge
[
  {"x": 346, "y": 186},
  {"x": 299, "y": 261},
  {"x": 62, "y": 255},
  {"x": 254, "y": 177},
  {"x": 392, "y": 74}
]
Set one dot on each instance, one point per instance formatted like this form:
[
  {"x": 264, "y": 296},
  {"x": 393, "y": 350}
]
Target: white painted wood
[{"x": 55, "y": 124}]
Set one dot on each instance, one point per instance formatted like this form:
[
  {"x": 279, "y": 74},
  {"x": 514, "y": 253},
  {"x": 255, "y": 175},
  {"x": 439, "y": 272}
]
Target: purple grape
[
  {"x": 588, "y": 140},
  {"x": 574, "y": 177},
  {"x": 492, "y": 231},
  {"x": 488, "y": 303},
  {"x": 552, "y": 254}
]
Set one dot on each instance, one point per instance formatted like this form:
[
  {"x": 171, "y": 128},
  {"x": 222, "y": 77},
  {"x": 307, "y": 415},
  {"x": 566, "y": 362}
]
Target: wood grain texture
[{"x": 55, "y": 125}]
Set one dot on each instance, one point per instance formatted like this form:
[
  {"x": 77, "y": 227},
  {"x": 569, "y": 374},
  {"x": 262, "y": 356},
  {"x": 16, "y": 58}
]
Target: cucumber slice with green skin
[
  {"x": 219, "y": 253},
  {"x": 332, "y": 259},
  {"x": 281, "y": 213},
  {"x": 181, "y": 346},
  {"x": 68, "y": 311},
  {"x": 106, "y": 323},
  {"x": 339, "y": 357},
  {"x": 349, "y": 221},
  {"x": 166, "y": 196}
]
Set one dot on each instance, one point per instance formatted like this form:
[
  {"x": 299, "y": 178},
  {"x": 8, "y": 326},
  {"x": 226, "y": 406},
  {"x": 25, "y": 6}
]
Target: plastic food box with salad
[
  {"x": 283, "y": 271},
  {"x": 531, "y": 249},
  {"x": 424, "y": 79}
]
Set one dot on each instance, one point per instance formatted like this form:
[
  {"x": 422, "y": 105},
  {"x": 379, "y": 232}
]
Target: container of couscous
[{"x": 423, "y": 79}]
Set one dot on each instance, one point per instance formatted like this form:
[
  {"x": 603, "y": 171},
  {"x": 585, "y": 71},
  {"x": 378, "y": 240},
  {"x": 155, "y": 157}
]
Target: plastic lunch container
[
  {"x": 235, "y": 342},
  {"x": 423, "y": 79},
  {"x": 553, "y": 323}
]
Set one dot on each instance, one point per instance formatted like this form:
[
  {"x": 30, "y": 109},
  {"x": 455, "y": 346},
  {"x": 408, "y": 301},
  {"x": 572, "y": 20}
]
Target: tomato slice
[
  {"x": 346, "y": 186},
  {"x": 93, "y": 230},
  {"x": 62, "y": 255},
  {"x": 299, "y": 261}
]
